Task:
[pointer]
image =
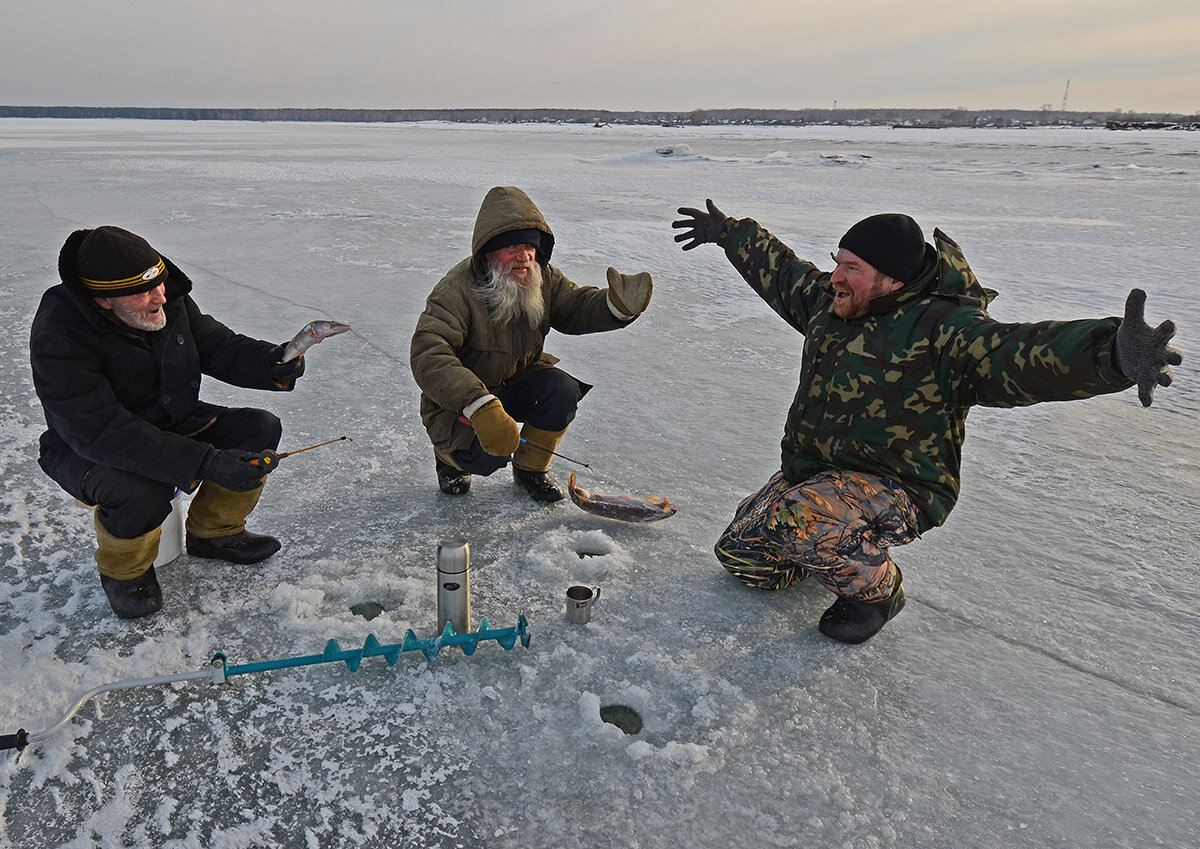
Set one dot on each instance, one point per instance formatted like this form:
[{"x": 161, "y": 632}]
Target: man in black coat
[{"x": 118, "y": 350}]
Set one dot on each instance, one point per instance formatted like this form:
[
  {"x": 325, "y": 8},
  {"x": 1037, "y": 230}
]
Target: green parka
[
  {"x": 458, "y": 355},
  {"x": 889, "y": 393}
]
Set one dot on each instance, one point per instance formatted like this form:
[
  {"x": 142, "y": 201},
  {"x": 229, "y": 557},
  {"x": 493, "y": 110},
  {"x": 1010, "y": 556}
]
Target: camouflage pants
[{"x": 836, "y": 527}]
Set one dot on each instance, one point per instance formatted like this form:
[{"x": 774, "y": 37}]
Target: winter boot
[
  {"x": 851, "y": 621},
  {"x": 216, "y": 526},
  {"x": 531, "y": 463},
  {"x": 451, "y": 479},
  {"x": 127, "y": 571}
]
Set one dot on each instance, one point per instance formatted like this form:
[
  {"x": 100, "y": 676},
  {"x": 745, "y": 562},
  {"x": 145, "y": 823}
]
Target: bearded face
[
  {"x": 512, "y": 289},
  {"x": 142, "y": 311}
]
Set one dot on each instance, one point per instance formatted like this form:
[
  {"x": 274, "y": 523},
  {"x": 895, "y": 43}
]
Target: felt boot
[
  {"x": 216, "y": 526},
  {"x": 127, "y": 571},
  {"x": 531, "y": 463}
]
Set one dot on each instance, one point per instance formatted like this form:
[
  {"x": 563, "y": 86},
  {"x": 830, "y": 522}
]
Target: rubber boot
[
  {"x": 127, "y": 571},
  {"x": 531, "y": 464},
  {"x": 851, "y": 621},
  {"x": 451, "y": 479},
  {"x": 216, "y": 526}
]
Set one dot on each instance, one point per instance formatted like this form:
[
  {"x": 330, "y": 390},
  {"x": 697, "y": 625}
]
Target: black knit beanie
[
  {"x": 512, "y": 237},
  {"x": 891, "y": 241},
  {"x": 112, "y": 262}
]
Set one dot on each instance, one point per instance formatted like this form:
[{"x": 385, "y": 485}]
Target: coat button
[
  {"x": 179, "y": 339},
  {"x": 166, "y": 399}
]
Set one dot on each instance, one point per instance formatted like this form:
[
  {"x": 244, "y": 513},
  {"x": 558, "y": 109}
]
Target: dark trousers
[
  {"x": 546, "y": 399},
  {"x": 129, "y": 505}
]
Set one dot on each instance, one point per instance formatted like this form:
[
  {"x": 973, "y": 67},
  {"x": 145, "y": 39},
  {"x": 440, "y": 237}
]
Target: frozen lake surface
[{"x": 1040, "y": 689}]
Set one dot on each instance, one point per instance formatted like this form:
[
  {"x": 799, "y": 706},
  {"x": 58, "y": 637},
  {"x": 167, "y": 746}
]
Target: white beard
[{"x": 509, "y": 300}]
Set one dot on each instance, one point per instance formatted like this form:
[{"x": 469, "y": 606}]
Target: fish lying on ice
[
  {"x": 310, "y": 335},
  {"x": 624, "y": 508}
]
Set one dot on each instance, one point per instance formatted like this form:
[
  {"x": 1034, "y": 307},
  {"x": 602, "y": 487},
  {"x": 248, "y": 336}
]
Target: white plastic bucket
[{"x": 170, "y": 544}]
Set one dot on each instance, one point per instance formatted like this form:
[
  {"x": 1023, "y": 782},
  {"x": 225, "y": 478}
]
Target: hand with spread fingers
[
  {"x": 699, "y": 227},
  {"x": 1142, "y": 352},
  {"x": 629, "y": 293}
]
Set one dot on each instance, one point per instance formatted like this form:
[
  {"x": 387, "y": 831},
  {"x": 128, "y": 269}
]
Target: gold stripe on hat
[{"x": 109, "y": 285}]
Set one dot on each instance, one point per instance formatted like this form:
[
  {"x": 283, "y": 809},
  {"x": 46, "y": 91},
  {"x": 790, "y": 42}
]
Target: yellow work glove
[
  {"x": 629, "y": 293},
  {"x": 497, "y": 431}
]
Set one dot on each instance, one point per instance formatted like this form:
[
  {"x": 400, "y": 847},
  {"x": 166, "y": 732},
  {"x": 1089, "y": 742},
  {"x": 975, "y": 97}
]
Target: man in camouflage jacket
[{"x": 898, "y": 347}]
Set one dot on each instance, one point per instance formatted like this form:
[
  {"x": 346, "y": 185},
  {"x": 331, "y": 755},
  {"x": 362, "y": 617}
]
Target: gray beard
[
  {"x": 509, "y": 301},
  {"x": 132, "y": 319}
]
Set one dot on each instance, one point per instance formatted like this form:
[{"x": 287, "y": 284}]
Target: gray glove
[
  {"x": 1142, "y": 353},
  {"x": 705, "y": 226},
  {"x": 629, "y": 293}
]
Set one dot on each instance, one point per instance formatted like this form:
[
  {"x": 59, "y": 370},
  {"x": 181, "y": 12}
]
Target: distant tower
[{"x": 1065, "y": 90}]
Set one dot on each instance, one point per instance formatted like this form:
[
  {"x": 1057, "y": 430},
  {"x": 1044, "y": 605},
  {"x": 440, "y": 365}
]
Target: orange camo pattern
[{"x": 836, "y": 526}]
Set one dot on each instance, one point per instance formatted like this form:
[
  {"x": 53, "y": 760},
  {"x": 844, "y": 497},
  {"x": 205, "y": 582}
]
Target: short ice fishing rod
[
  {"x": 525, "y": 441},
  {"x": 220, "y": 670},
  {"x": 266, "y": 461}
]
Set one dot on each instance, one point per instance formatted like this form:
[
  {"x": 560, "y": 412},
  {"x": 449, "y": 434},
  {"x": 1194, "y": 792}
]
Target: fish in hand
[{"x": 311, "y": 334}]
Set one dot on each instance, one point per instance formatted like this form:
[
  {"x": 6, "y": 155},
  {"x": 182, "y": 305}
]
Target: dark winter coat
[
  {"x": 129, "y": 399},
  {"x": 889, "y": 393},
  {"x": 458, "y": 355}
]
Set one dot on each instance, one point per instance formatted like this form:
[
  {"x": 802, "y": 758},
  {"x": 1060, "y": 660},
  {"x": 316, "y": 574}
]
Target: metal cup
[{"x": 579, "y": 603}]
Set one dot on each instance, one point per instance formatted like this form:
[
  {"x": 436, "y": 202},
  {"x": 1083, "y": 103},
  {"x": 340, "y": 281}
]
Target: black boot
[
  {"x": 850, "y": 621},
  {"x": 240, "y": 548},
  {"x": 539, "y": 485},
  {"x": 452, "y": 481},
  {"x": 135, "y": 597}
]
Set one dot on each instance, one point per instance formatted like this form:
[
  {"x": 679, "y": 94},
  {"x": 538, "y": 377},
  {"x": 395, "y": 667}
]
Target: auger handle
[{"x": 15, "y": 741}]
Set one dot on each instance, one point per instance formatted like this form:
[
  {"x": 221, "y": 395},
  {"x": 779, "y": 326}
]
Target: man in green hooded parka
[{"x": 477, "y": 352}]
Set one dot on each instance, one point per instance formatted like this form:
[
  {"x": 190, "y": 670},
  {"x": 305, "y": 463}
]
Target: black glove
[
  {"x": 285, "y": 373},
  {"x": 1142, "y": 353},
  {"x": 705, "y": 226},
  {"x": 237, "y": 470}
]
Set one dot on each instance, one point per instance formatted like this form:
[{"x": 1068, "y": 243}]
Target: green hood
[{"x": 504, "y": 209}]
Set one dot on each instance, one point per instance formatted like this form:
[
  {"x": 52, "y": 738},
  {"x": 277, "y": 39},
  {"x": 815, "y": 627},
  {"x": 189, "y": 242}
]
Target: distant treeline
[{"x": 599, "y": 117}]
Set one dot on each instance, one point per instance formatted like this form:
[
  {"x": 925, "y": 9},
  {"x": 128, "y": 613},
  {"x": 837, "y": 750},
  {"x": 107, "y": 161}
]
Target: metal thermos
[{"x": 454, "y": 585}]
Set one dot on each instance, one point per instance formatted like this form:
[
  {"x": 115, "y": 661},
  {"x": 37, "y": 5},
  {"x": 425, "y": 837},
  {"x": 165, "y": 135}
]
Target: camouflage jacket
[{"x": 889, "y": 393}]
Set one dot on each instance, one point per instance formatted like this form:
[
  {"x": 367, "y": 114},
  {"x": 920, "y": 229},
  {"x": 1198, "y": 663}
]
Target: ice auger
[{"x": 220, "y": 670}]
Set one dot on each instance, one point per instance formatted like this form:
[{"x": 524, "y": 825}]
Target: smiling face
[
  {"x": 856, "y": 283},
  {"x": 143, "y": 311},
  {"x": 517, "y": 260}
]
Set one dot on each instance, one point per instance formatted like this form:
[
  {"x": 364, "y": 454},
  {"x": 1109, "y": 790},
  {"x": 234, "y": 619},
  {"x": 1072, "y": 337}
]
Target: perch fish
[
  {"x": 310, "y": 335},
  {"x": 624, "y": 508}
]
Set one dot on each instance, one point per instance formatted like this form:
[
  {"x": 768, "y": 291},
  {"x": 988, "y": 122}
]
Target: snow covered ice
[{"x": 1040, "y": 688}]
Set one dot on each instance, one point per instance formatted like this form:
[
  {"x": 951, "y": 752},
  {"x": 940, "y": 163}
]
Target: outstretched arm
[{"x": 1141, "y": 352}]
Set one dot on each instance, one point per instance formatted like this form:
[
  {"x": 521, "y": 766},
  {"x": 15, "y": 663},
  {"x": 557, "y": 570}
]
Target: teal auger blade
[{"x": 429, "y": 646}]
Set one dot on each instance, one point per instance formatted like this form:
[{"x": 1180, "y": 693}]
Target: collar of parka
[{"x": 945, "y": 274}]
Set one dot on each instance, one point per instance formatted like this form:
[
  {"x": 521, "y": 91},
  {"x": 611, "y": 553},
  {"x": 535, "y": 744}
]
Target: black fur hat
[{"x": 110, "y": 262}]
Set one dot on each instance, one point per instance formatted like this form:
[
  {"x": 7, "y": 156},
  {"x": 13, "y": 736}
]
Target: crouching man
[
  {"x": 118, "y": 349},
  {"x": 477, "y": 352}
]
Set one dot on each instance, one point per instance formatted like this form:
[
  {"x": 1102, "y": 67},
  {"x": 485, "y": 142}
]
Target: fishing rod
[
  {"x": 220, "y": 670},
  {"x": 525, "y": 441},
  {"x": 267, "y": 460}
]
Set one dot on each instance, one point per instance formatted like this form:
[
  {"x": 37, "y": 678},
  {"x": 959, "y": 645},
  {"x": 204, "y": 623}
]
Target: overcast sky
[{"x": 1137, "y": 55}]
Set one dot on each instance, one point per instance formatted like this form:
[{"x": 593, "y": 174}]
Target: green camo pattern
[{"x": 889, "y": 393}]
